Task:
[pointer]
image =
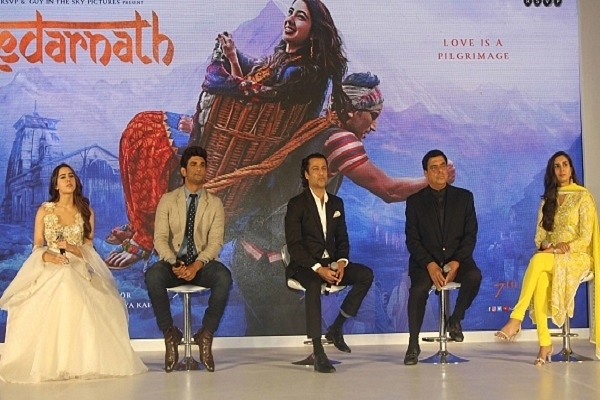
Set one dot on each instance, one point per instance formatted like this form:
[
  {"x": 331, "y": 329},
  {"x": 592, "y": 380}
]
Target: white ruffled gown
[{"x": 65, "y": 321}]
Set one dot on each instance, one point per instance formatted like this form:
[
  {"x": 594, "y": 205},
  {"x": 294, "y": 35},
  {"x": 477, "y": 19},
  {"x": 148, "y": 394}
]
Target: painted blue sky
[{"x": 398, "y": 38}]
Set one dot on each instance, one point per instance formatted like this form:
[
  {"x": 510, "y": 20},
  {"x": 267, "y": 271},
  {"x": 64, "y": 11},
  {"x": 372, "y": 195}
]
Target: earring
[{"x": 311, "y": 49}]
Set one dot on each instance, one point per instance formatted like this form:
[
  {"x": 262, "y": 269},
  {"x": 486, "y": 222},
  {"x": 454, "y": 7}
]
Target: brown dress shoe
[
  {"x": 172, "y": 340},
  {"x": 204, "y": 338}
]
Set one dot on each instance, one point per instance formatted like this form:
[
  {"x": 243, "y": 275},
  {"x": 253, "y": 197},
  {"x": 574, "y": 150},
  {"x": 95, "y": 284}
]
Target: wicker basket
[{"x": 238, "y": 134}]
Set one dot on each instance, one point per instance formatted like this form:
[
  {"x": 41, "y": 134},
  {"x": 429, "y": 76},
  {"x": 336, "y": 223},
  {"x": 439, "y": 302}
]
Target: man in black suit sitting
[
  {"x": 441, "y": 232},
  {"x": 316, "y": 236}
]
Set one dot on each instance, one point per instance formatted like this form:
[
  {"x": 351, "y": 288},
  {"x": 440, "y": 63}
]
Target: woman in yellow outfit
[{"x": 568, "y": 248}]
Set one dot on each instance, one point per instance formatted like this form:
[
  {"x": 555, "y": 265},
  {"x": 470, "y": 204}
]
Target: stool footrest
[
  {"x": 437, "y": 339},
  {"x": 323, "y": 341},
  {"x": 564, "y": 334}
]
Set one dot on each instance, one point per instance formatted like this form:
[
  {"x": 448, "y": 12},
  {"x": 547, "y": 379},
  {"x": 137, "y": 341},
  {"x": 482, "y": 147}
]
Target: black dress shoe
[
  {"x": 204, "y": 338},
  {"x": 322, "y": 363},
  {"x": 455, "y": 331},
  {"x": 337, "y": 338},
  {"x": 172, "y": 340},
  {"x": 412, "y": 355}
]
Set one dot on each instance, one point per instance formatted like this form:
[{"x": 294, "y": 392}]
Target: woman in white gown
[{"x": 66, "y": 319}]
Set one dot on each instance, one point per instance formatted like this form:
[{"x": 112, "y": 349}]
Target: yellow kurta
[{"x": 576, "y": 223}]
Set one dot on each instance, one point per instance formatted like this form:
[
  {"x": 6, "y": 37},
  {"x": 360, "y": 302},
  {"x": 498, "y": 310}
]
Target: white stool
[
  {"x": 566, "y": 354},
  {"x": 443, "y": 356},
  {"x": 187, "y": 363},
  {"x": 295, "y": 285}
]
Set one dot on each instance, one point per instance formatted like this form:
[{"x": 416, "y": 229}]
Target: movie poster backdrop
[{"x": 488, "y": 82}]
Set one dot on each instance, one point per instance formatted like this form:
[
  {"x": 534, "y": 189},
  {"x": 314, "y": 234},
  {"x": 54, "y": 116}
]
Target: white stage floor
[{"x": 495, "y": 371}]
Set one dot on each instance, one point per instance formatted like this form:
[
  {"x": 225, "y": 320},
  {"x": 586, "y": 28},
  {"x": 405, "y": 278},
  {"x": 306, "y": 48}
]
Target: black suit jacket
[
  {"x": 427, "y": 241},
  {"x": 304, "y": 232}
]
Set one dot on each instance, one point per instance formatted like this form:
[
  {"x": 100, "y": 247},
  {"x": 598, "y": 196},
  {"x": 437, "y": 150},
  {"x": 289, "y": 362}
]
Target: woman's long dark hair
[
  {"x": 327, "y": 56},
  {"x": 81, "y": 202},
  {"x": 550, "y": 195}
]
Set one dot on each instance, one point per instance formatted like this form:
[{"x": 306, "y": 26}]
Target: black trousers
[
  {"x": 359, "y": 276},
  {"x": 213, "y": 275},
  {"x": 469, "y": 276}
]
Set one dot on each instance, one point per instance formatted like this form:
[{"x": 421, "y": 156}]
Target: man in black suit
[
  {"x": 441, "y": 232},
  {"x": 316, "y": 236}
]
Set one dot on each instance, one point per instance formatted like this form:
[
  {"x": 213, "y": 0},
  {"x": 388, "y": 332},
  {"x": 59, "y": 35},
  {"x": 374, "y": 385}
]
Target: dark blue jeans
[{"x": 213, "y": 275}]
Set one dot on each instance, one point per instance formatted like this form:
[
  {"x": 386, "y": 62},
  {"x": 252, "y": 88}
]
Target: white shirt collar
[{"x": 317, "y": 199}]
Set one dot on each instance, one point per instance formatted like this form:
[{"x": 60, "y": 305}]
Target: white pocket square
[{"x": 336, "y": 214}]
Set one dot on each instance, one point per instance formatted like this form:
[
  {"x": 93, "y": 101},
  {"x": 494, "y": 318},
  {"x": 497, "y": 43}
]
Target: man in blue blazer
[
  {"x": 316, "y": 236},
  {"x": 441, "y": 232}
]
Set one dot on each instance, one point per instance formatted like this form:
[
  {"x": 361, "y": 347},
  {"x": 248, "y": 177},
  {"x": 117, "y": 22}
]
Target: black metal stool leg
[
  {"x": 187, "y": 363},
  {"x": 443, "y": 356},
  {"x": 566, "y": 354}
]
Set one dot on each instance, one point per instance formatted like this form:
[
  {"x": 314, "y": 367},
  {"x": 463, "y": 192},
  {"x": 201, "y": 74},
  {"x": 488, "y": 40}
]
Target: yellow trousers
[{"x": 536, "y": 285}]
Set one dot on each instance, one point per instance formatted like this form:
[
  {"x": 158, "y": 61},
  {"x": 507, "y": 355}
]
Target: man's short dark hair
[
  {"x": 190, "y": 152},
  {"x": 304, "y": 168},
  {"x": 432, "y": 154}
]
